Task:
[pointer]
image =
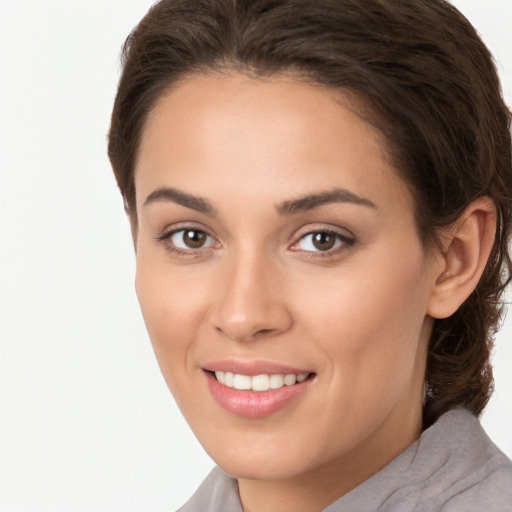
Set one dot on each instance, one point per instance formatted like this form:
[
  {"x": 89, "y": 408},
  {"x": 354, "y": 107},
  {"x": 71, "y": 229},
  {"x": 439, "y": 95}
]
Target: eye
[
  {"x": 187, "y": 239},
  {"x": 322, "y": 241}
]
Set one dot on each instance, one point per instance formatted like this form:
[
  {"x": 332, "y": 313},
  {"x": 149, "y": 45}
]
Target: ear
[{"x": 466, "y": 246}]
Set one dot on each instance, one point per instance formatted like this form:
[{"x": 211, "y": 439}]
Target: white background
[{"x": 86, "y": 421}]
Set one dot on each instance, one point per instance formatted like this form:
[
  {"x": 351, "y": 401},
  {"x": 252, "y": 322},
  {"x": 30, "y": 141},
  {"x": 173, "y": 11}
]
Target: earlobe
[{"x": 466, "y": 245}]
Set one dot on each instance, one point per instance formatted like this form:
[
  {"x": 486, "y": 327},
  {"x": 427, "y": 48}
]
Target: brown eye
[
  {"x": 194, "y": 239},
  {"x": 323, "y": 241},
  {"x": 191, "y": 239}
]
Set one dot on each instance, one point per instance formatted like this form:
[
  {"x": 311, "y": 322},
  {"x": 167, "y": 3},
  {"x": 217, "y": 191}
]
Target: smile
[
  {"x": 263, "y": 382},
  {"x": 247, "y": 390}
]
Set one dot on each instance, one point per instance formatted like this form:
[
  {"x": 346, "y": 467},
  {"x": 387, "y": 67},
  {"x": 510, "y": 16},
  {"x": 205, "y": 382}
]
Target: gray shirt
[{"x": 453, "y": 467}]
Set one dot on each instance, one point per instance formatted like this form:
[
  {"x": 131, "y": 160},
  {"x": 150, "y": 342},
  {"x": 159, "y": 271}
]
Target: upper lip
[{"x": 252, "y": 368}]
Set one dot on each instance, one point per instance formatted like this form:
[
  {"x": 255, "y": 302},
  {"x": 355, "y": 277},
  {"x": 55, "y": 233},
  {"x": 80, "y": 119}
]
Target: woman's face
[{"x": 277, "y": 253}]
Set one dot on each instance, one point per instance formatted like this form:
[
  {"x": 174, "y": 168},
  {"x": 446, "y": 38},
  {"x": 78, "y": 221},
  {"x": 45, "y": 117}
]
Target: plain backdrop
[{"x": 86, "y": 421}]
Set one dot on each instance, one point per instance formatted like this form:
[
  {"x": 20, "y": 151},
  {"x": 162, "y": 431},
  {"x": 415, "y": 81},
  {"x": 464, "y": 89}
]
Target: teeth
[
  {"x": 262, "y": 382},
  {"x": 276, "y": 381},
  {"x": 230, "y": 379},
  {"x": 242, "y": 381},
  {"x": 290, "y": 380}
]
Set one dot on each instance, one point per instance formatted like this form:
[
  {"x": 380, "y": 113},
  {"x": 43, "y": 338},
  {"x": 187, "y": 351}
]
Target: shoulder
[
  {"x": 472, "y": 474},
  {"x": 453, "y": 467},
  {"x": 488, "y": 489},
  {"x": 217, "y": 493}
]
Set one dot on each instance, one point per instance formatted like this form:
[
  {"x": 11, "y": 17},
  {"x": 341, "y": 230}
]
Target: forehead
[{"x": 257, "y": 134}]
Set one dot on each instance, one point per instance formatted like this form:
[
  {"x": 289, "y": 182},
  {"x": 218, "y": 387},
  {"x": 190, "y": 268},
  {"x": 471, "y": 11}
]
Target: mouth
[
  {"x": 262, "y": 382},
  {"x": 248, "y": 391}
]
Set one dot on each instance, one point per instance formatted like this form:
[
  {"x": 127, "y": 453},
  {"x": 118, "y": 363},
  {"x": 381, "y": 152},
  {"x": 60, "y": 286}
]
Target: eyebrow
[
  {"x": 301, "y": 204},
  {"x": 198, "y": 204},
  {"x": 311, "y": 201}
]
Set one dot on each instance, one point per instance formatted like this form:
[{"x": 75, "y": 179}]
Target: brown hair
[{"x": 430, "y": 86}]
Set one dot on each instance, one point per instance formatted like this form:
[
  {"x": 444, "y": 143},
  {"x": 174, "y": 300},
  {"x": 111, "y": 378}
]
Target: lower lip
[{"x": 254, "y": 404}]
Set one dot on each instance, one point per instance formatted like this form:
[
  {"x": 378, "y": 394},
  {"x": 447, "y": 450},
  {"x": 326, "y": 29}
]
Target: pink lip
[
  {"x": 254, "y": 404},
  {"x": 252, "y": 368}
]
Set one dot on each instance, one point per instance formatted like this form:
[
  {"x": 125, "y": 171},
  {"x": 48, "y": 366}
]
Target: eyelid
[
  {"x": 346, "y": 236},
  {"x": 324, "y": 228},
  {"x": 170, "y": 231}
]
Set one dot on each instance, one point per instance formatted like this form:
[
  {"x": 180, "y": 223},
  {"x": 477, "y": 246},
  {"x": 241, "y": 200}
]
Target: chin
[
  {"x": 258, "y": 469},
  {"x": 263, "y": 460}
]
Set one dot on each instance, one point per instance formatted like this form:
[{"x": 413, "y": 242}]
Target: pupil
[
  {"x": 323, "y": 241},
  {"x": 194, "y": 239}
]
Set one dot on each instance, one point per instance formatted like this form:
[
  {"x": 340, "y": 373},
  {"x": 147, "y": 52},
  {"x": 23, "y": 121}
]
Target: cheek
[
  {"x": 171, "y": 309},
  {"x": 383, "y": 295},
  {"x": 369, "y": 321}
]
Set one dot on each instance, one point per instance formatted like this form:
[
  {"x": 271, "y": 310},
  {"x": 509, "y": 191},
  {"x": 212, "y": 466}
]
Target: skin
[{"x": 356, "y": 315}]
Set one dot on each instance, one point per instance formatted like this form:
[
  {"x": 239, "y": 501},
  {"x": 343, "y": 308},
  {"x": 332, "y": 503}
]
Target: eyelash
[
  {"x": 179, "y": 251},
  {"x": 344, "y": 241}
]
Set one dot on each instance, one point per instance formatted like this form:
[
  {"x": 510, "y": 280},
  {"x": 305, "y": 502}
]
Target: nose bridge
[{"x": 249, "y": 304}]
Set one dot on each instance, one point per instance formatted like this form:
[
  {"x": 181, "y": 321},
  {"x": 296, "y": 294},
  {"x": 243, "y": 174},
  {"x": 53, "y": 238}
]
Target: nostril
[
  {"x": 240, "y": 318},
  {"x": 263, "y": 331}
]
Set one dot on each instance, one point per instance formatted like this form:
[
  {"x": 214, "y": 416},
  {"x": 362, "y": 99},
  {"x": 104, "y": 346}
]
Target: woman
[{"x": 319, "y": 195}]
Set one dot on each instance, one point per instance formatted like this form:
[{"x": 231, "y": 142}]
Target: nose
[{"x": 251, "y": 301}]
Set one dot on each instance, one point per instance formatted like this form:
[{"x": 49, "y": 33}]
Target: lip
[
  {"x": 252, "y": 368},
  {"x": 254, "y": 404}
]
